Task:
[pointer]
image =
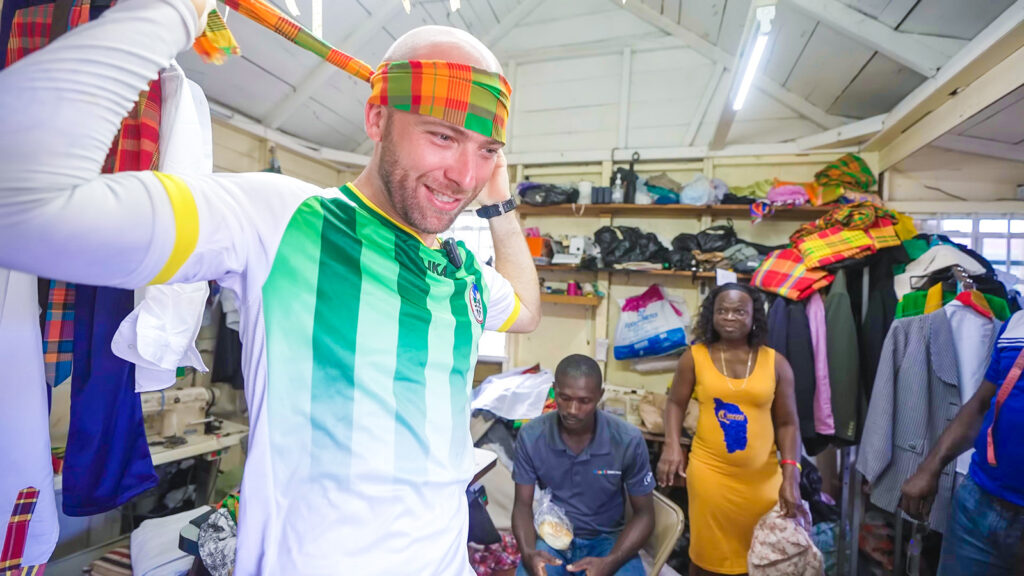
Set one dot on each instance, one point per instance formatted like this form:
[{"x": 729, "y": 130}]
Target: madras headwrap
[
  {"x": 468, "y": 97},
  {"x": 783, "y": 272},
  {"x": 17, "y": 531}
]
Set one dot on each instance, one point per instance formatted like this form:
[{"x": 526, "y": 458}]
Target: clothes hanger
[{"x": 967, "y": 294}]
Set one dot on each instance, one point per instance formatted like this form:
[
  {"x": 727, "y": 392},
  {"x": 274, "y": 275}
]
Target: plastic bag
[
  {"x": 650, "y": 325},
  {"x": 698, "y": 192},
  {"x": 550, "y": 521}
]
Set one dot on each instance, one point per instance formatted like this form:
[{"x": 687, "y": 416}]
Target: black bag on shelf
[
  {"x": 717, "y": 238},
  {"x": 547, "y": 194},
  {"x": 686, "y": 242},
  {"x": 681, "y": 260},
  {"x": 621, "y": 244}
]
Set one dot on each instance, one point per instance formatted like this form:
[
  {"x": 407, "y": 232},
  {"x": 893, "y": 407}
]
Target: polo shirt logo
[
  {"x": 606, "y": 472},
  {"x": 436, "y": 268}
]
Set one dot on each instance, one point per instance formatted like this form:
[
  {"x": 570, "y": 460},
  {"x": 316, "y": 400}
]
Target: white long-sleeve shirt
[{"x": 359, "y": 341}]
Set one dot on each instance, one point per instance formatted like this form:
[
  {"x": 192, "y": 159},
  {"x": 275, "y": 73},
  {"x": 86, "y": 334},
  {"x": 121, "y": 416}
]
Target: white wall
[{"x": 979, "y": 179}]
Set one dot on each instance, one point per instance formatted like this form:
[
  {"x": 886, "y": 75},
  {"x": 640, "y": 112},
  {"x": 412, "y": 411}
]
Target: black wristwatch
[{"x": 495, "y": 210}]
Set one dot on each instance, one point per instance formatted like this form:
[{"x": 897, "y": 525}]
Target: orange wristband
[{"x": 792, "y": 463}]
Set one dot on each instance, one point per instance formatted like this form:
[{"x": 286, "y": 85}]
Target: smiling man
[
  {"x": 590, "y": 461},
  {"x": 359, "y": 330}
]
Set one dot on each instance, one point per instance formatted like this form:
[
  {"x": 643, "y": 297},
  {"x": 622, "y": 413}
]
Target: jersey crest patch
[{"x": 476, "y": 303}]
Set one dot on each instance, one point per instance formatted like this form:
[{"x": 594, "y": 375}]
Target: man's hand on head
[{"x": 497, "y": 188}]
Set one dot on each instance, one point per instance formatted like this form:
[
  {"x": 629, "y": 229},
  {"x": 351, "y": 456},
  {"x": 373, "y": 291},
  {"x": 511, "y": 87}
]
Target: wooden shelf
[
  {"x": 566, "y": 299},
  {"x": 698, "y": 275},
  {"x": 738, "y": 212}
]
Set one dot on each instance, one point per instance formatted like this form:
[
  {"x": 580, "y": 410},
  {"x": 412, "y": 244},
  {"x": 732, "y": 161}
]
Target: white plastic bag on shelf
[
  {"x": 550, "y": 521},
  {"x": 650, "y": 325}
]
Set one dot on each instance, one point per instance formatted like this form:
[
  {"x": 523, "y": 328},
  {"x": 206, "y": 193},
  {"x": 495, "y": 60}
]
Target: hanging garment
[
  {"x": 974, "y": 336},
  {"x": 913, "y": 304},
  {"x": 877, "y": 317},
  {"x": 823, "y": 421},
  {"x": 160, "y": 334},
  {"x": 24, "y": 419},
  {"x": 789, "y": 334},
  {"x": 914, "y": 399},
  {"x": 107, "y": 462},
  {"x": 936, "y": 258},
  {"x": 843, "y": 361},
  {"x": 227, "y": 355}
]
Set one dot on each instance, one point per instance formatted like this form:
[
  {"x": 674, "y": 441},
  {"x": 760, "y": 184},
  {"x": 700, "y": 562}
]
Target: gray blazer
[{"x": 915, "y": 397}]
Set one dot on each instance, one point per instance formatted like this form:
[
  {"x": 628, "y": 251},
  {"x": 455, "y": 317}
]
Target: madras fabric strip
[
  {"x": 849, "y": 171},
  {"x": 273, "y": 19},
  {"x": 468, "y": 97},
  {"x": 216, "y": 42},
  {"x": 59, "y": 332},
  {"x": 186, "y": 225},
  {"x": 17, "y": 529},
  {"x": 783, "y": 272}
]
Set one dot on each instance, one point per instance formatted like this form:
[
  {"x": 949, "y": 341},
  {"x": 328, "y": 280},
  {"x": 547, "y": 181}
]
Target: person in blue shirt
[
  {"x": 590, "y": 461},
  {"x": 985, "y": 535}
]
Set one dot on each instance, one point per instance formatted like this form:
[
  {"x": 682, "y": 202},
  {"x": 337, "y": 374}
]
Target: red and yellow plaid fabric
[
  {"x": 135, "y": 147},
  {"x": 17, "y": 530},
  {"x": 837, "y": 243},
  {"x": 468, "y": 97},
  {"x": 851, "y": 216},
  {"x": 883, "y": 234},
  {"x": 834, "y": 245},
  {"x": 30, "y": 28},
  {"x": 783, "y": 272}
]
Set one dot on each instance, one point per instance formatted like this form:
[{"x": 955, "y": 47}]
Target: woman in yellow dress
[{"x": 734, "y": 472}]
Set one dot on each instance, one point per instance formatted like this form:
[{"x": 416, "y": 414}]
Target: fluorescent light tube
[{"x": 748, "y": 73}]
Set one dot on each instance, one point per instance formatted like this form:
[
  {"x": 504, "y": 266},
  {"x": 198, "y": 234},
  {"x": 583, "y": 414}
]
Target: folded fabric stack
[
  {"x": 850, "y": 231},
  {"x": 784, "y": 272}
]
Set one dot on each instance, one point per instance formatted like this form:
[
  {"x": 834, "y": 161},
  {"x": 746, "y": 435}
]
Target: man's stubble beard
[{"x": 401, "y": 190}]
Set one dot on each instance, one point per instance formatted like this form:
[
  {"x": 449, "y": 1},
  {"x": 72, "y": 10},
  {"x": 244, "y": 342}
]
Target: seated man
[{"x": 588, "y": 460}]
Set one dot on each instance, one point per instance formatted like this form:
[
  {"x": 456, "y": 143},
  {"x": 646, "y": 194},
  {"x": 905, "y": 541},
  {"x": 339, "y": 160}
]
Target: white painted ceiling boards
[{"x": 598, "y": 75}]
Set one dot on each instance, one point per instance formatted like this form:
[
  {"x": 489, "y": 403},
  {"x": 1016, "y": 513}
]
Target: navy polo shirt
[{"x": 591, "y": 486}]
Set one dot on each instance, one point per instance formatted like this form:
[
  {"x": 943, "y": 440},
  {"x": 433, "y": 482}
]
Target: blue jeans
[
  {"x": 579, "y": 549},
  {"x": 984, "y": 536}
]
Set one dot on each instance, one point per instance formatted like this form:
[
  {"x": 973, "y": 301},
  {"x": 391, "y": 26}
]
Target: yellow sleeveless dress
[{"x": 733, "y": 475}]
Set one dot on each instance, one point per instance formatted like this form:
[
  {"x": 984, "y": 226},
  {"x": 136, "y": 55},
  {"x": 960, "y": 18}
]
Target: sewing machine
[{"x": 176, "y": 412}]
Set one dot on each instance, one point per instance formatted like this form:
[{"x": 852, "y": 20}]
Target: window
[
  {"x": 1000, "y": 239},
  {"x": 476, "y": 233}
]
